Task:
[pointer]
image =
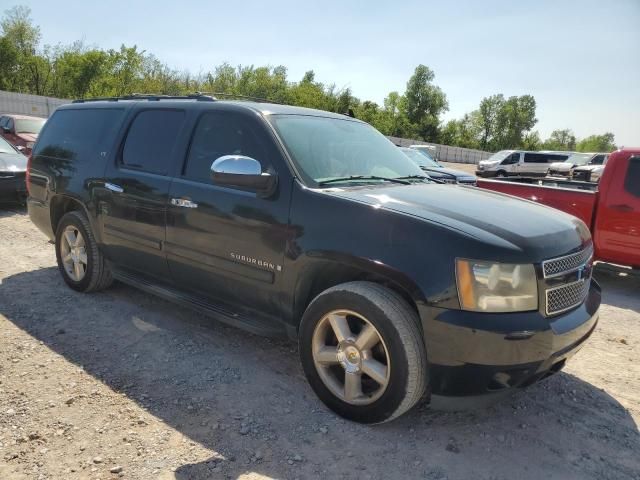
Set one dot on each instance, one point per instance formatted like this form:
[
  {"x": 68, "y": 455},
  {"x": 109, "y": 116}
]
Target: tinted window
[
  {"x": 9, "y": 124},
  {"x": 597, "y": 160},
  {"x": 85, "y": 134},
  {"x": 632, "y": 179},
  {"x": 223, "y": 133},
  {"x": 535, "y": 158},
  {"x": 544, "y": 158},
  {"x": 151, "y": 140},
  {"x": 3, "y": 120}
]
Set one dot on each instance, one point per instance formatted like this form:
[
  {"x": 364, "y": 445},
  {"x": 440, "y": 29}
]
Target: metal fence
[
  {"x": 446, "y": 153},
  {"x": 25, "y": 104}
]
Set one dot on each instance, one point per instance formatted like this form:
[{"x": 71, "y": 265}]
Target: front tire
[
  {"x": 80, "y": 261},
  {"x": 363, "y": 352}
]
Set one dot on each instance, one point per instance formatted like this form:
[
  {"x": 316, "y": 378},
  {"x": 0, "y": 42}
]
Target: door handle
[
  {"x": 183, "y": 202},
  {"x": 113, "y": 187},
  {"x": 623, "y": 207}
]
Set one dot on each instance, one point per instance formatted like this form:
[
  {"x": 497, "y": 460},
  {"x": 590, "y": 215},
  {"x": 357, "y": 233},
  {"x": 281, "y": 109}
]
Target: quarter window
[
  {"x": 151, "y": 140},
  {"x": 222, "y": 133},
  {"x": 632, "y": 179},
  {"x": 79, "y": 134}
]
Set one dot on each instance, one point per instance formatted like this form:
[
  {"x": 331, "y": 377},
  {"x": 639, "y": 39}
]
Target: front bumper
[
  {"x": 472, "y": 353},
  {"x": 12, "y": 186}
]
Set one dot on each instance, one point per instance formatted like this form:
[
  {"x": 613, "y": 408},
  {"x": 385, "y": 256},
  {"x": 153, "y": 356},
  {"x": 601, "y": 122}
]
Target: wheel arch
[
  {"x": 62, "y": 204},
  {"x": 319, "y": 274}
]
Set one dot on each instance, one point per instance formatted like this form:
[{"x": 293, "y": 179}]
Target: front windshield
[
  {"x": 326, "y": 148},
  {"x": 420, "y": 157},
  {"x": 5, "y": 147},
  {"x": 28, "y": 125},
  {"x": 499, "y": 156},
  {"x": 579, "y": 159}
]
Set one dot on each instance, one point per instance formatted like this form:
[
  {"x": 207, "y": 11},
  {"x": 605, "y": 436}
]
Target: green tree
[
  {"x": 560, "y": 140},
  {"x": 597, "y": 143},
  {"x": 487, "y": 119},
  {"x": 425, "y": 102}
]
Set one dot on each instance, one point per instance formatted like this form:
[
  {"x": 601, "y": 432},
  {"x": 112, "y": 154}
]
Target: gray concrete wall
[
  {"x": 25, "y": 104},
  {"x": 446, "y": 153}
]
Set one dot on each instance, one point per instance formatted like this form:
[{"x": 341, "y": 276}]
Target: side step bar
[{"x": 253, "y": 323}]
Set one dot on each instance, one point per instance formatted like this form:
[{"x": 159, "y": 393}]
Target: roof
[{"x": 261, "y": 107}]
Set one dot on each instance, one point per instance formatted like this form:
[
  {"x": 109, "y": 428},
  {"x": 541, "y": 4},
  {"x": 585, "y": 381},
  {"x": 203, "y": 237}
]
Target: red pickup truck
[{"x": 610, "y": 209}]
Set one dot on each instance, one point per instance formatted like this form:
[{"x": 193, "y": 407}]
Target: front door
[
  {"x": 228, "y": 244},
  {"x": 617, "y": 228},
  {"x": 134, "y": 209}
]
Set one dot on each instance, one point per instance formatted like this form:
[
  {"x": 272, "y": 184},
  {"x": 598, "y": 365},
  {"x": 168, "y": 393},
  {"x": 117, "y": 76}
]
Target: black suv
[{"x": 290, "y": 221}]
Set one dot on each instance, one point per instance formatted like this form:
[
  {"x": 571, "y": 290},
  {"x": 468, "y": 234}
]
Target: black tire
[
  {"x": 399, "y": 328},
  {"x": 501, "y": 174},
  {"x": 97, "y": 276}
]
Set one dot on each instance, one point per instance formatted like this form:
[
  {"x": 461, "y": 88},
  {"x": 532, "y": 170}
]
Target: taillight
[{"x": 27, "y": 175}]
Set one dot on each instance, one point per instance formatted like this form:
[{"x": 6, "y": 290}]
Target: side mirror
[{"x": 239, "y": 171}]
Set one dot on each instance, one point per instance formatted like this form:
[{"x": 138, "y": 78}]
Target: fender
[{"x": 316, "y": 271}]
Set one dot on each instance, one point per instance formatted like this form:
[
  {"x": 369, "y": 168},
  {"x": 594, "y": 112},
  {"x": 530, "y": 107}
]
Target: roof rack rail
[
  {"x": 245, "y": 97},
  {"x": 151, "y": 97}
]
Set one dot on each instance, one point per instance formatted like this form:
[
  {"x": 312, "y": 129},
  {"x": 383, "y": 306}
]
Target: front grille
[
  {"x": 581, "y": 175},
  {"x": 569, "y": 263},
  {"x": 565, "y": 297}
]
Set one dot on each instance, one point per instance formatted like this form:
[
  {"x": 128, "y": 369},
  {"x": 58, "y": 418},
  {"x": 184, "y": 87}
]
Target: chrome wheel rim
[
  {"x": 351, "y": 357},
  {"x": 73, "y": 253}
]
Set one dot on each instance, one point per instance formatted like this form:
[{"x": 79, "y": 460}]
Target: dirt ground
[{"x": 121, "y": 384}]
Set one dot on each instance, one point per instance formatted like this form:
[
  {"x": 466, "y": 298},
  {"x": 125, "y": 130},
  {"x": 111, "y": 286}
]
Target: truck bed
[{"x": 576, "y": 198}]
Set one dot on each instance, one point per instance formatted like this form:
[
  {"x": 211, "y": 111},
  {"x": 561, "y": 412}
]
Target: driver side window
[
  {"x": 511, "y": 159},
  {"x": 218, "y": 134}
]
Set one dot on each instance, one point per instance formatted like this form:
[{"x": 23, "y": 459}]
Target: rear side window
[
  {"x": 535, "y": 158},
  {"x": 79, "y": 134},
  {"x": 223, "y": 133},
  {"x": 151, "y": 140},
  {"x": 632, "y": 179}
]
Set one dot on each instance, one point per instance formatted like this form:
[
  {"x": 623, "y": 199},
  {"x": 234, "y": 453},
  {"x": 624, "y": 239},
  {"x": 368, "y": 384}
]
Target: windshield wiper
[
  {"x": 421, "y": 177},
  {"x": 352, "y": 178}
]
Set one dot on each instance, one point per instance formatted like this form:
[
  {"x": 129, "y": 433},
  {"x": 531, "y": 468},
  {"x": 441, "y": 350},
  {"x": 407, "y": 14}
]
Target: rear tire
[
  {"x": 363, "y": 353},
  {"x": 80, "y": 261}
]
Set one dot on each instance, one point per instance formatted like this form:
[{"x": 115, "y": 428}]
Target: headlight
[{"x": 496, "y": 287}]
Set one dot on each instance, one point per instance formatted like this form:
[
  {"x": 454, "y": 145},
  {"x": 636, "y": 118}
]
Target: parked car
[
  {"x": 589, "y": 173},
  {"x": 291, "y": 221},
  {"x": 435, "y": 170},
  {"x": 611, "y": 209},
  {"x": 21, "y": 130},
  {"x": 430, "y": 150},
  {"x": 565, "y": 169},
  {"x": 507, "y": 163},
  {"x": 13, "y": 165}
]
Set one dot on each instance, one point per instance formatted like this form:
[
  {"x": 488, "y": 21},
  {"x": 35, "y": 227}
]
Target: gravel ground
[{"x": 121, "y": 384}]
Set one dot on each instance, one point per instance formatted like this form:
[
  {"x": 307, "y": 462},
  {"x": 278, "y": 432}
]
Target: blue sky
[{"x": 580, "y": 59}]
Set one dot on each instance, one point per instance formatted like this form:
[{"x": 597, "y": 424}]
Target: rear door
[
  {"x": 617, "y": 229},
  {"x": 133, "y": 214}
]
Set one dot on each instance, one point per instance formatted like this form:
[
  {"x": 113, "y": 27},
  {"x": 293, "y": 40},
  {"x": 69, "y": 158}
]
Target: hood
[
  {"x": 561, "y": 166},
  {"x": 27, "y": 137},
  {"x": 437, "y": 172},
  {"x": 505, "y": 221},
  {"x": 10, "y": 162},
  {"x": 591, "y": 168}
]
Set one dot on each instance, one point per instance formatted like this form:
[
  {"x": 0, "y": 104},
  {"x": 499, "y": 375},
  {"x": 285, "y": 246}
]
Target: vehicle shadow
[
  {"x": 236, "y": 394},
  {"x": 9, "y": 209}
]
